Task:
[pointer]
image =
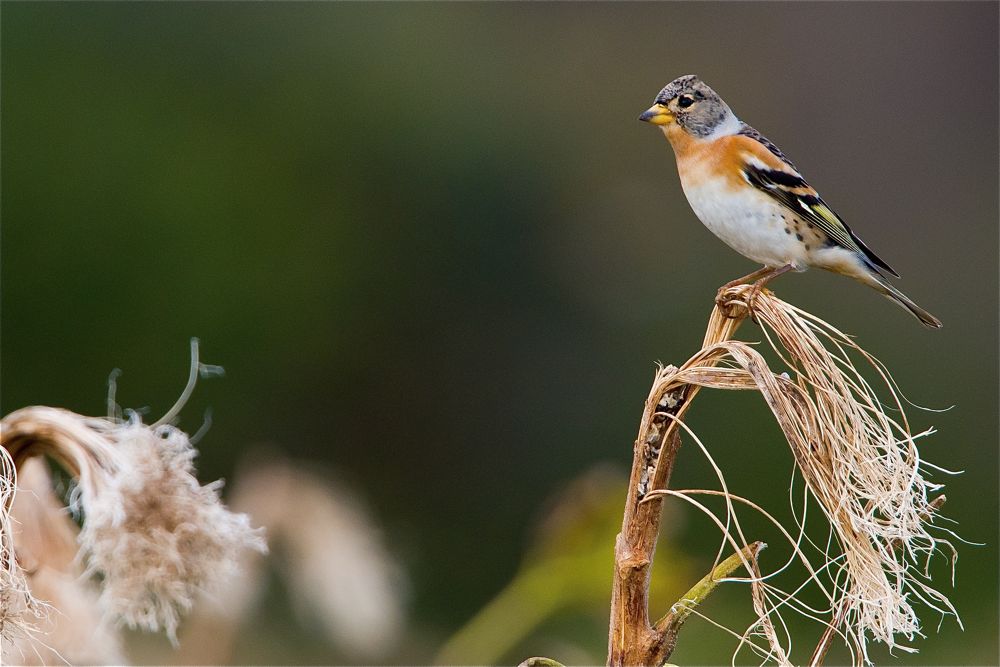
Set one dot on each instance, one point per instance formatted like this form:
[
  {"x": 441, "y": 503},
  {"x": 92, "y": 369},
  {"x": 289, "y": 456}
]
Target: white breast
[{"x": 750, "y": 222}]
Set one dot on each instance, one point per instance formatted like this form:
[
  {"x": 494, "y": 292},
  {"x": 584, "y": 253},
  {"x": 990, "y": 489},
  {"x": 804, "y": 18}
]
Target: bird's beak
[{"x": 657, "y": 115}]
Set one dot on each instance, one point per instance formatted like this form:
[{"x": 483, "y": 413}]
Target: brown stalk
[{"x": 632, "y": 640}]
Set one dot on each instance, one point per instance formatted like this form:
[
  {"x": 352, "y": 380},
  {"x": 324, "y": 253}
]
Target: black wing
[{"x": 798, "y": 196}]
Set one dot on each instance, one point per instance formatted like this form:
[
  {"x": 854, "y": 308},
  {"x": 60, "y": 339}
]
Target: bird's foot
[
  {"x": 731, "y": 302},
  {"x": 725, "y": 297},
  {"x": 758, "y": 287},
  {"x": 751, "y": 298}
]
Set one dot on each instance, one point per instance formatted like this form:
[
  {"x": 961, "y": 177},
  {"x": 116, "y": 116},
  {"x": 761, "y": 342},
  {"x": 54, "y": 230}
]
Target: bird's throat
[{"x": 679, "y": 139}]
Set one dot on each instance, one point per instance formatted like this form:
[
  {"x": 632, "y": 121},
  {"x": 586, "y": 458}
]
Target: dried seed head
[
  {"x": 155, "y": 534},
  {"x": 152, "y": 533}
]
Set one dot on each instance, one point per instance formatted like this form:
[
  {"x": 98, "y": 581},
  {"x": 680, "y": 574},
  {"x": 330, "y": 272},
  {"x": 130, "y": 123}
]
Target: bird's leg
[
  {"x": 767, "y": 277},
  {"x": 760, "y": 274},
  {"x": 750, "y": 277},
  {"x": 771, "y": 274}
]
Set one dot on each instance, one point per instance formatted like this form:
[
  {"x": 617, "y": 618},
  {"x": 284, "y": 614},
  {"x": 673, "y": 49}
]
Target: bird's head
[{"x": 689, "y": 104}]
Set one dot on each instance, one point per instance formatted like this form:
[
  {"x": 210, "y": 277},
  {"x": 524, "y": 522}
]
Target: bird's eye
[{"x": 684, "y": 101}]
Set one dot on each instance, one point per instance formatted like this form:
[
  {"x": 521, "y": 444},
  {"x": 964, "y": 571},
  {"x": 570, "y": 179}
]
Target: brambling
[{"x": 751, "y": 196}]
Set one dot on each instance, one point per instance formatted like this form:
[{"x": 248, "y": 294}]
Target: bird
[{"x": 745, "y": 191}]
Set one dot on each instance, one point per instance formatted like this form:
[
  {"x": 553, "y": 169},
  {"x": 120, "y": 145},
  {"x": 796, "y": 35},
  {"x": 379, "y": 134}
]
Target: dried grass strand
[{"x": 860, "y": 463}]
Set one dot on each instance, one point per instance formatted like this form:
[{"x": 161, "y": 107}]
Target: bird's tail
[{"x": 882, "y": 285}]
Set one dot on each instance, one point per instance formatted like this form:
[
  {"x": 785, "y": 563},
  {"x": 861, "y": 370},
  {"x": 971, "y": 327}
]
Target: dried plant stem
[
  {"x": 857, "y": 457},
  {"x": 668, "y": 626},
  {"x": 632, "y": 640},
  {"x": 631, "y": 637},
  {"x": 540, "y": 662},
  {"x": 824, "y": 642}
]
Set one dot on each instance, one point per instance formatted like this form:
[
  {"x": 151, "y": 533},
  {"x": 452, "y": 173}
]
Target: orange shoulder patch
[
  {"x": 725, "y": 157},
  {"x": 722, "y": 158},
  {"x": 740, "y": 145}
]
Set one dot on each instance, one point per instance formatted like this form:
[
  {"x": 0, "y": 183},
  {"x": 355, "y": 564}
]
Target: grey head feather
[{"x": 704, "y": 116}]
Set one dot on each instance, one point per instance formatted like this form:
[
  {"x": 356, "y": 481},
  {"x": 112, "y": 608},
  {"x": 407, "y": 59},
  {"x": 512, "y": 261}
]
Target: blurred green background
[{"x": 436, "y": 253}]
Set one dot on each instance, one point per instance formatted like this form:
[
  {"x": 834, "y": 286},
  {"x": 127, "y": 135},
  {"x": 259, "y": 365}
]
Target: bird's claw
[
  {"x": 737, "y": 303},
  {"x": 729, "y": 303}
]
